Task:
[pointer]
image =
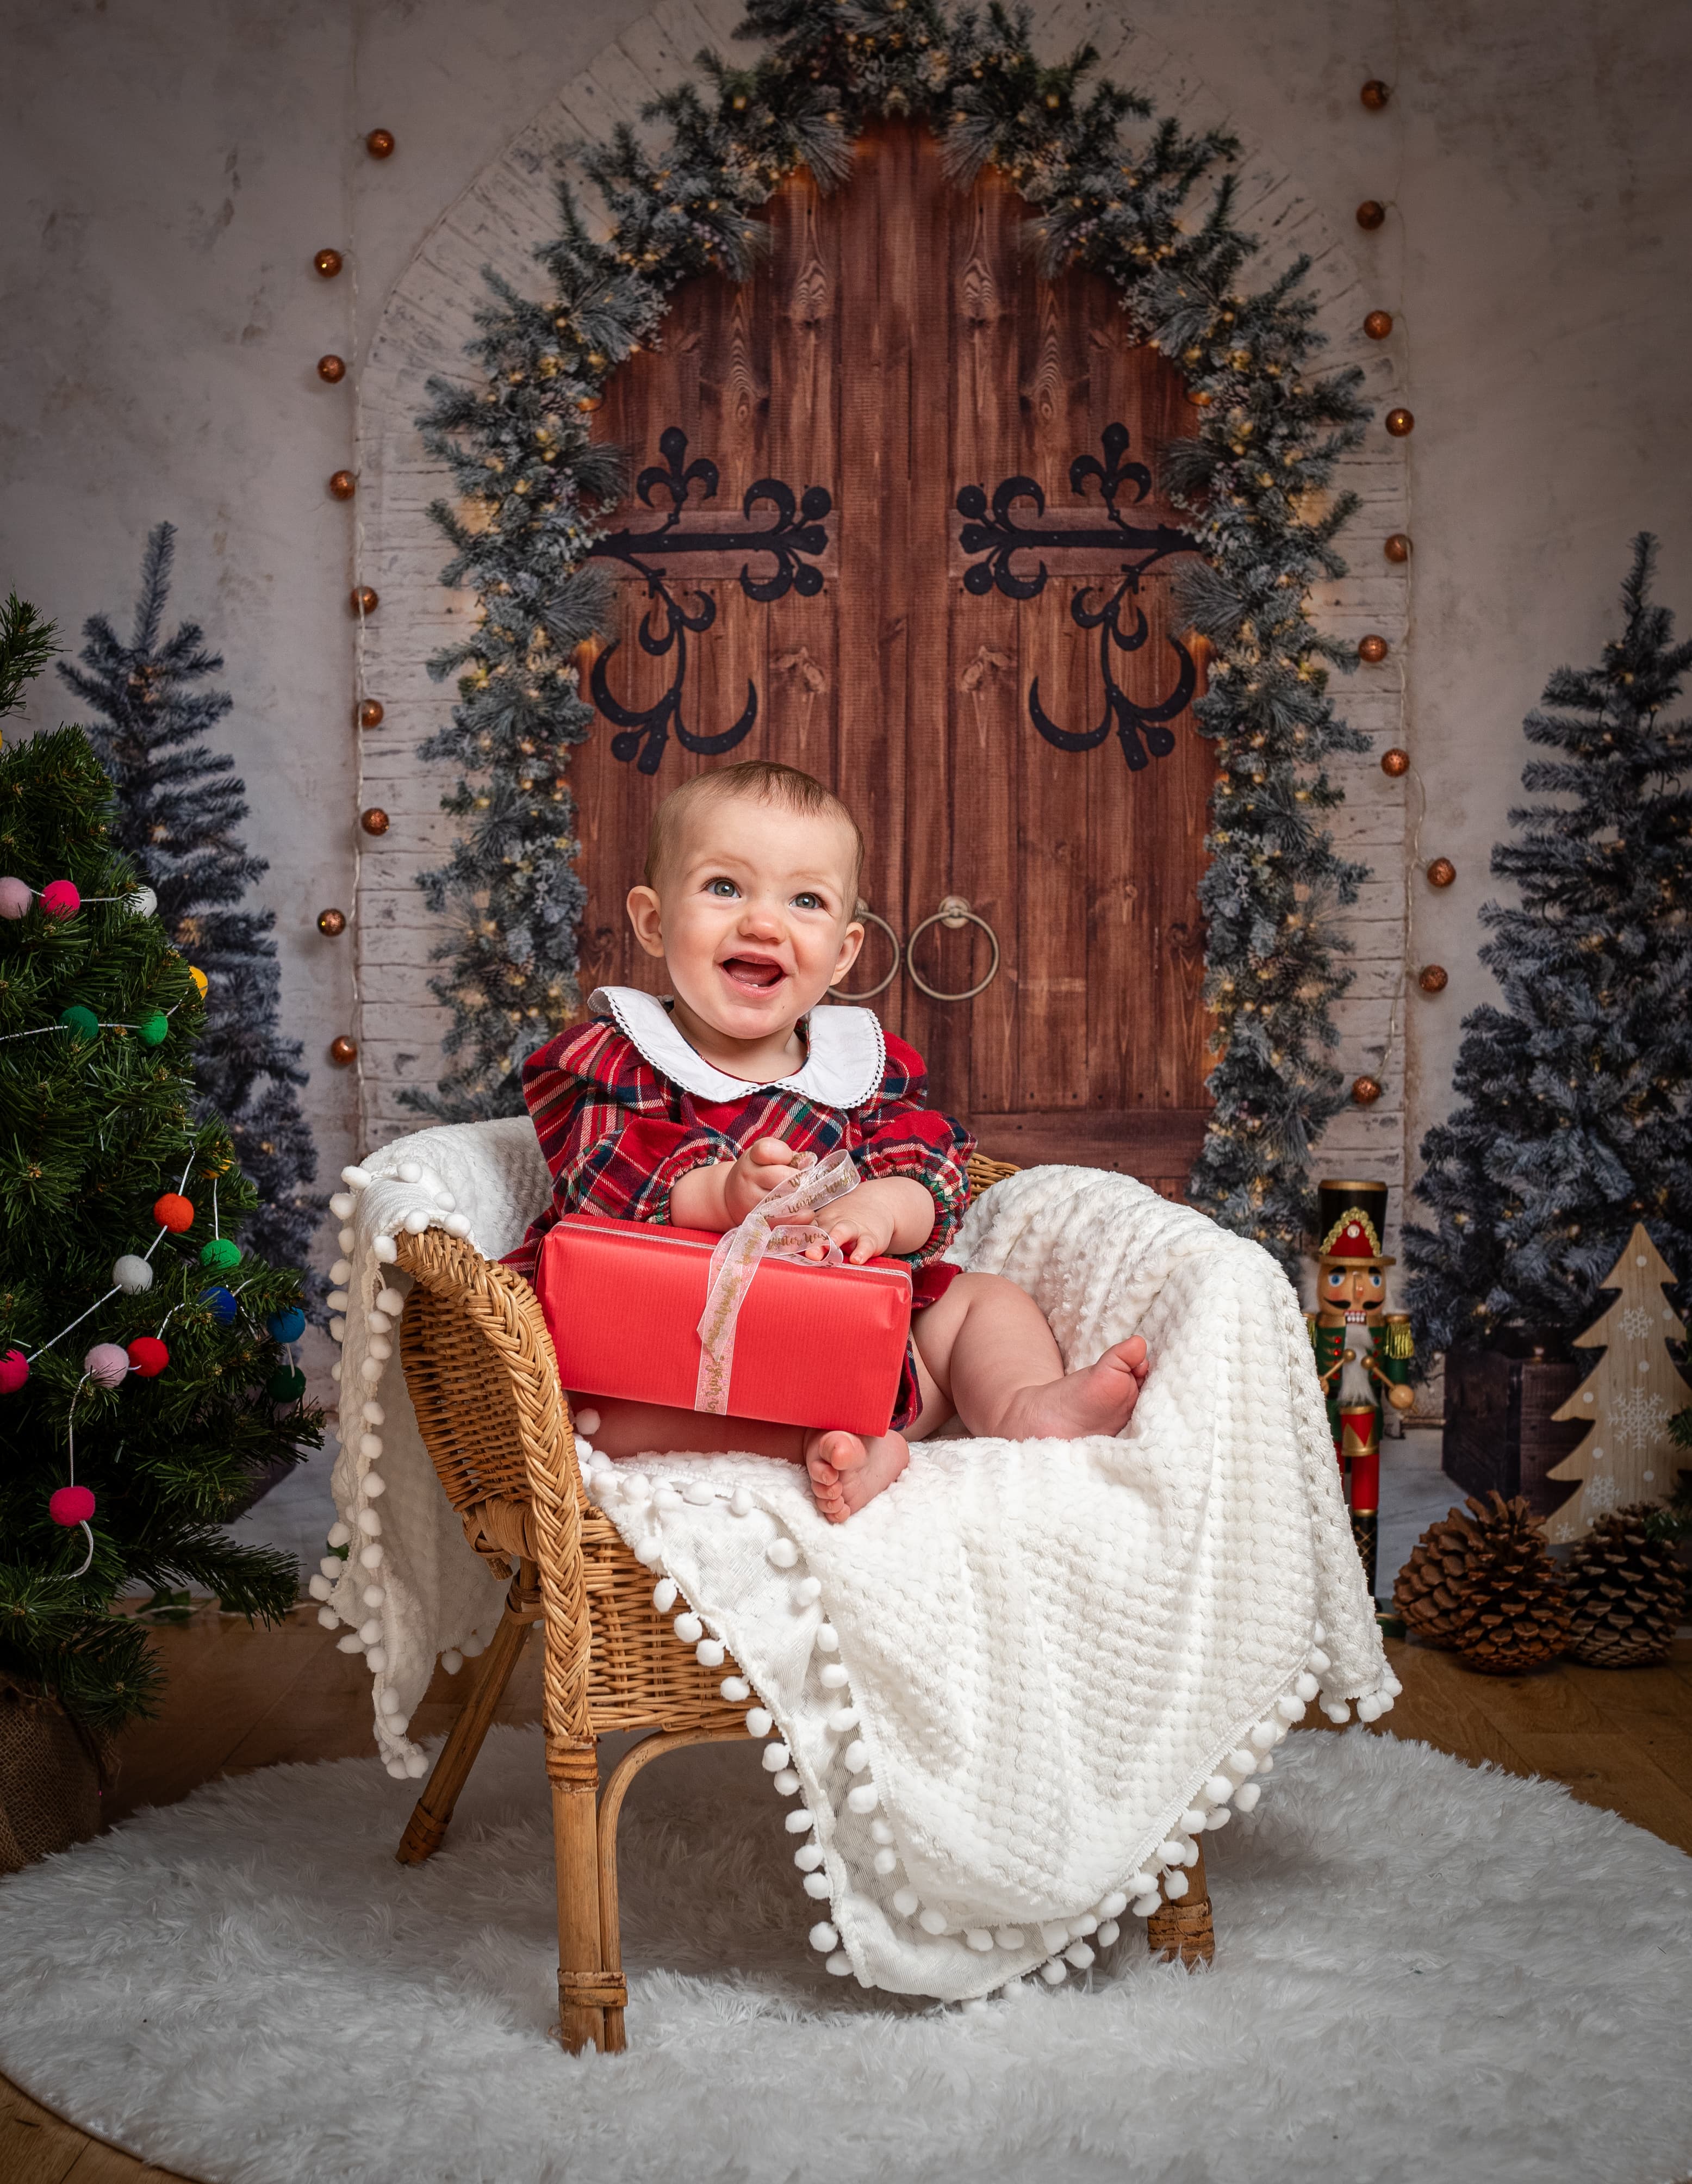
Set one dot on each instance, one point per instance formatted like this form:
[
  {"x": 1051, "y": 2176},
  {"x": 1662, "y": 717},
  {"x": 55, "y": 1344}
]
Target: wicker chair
[{"x": 484, "y": 1383}]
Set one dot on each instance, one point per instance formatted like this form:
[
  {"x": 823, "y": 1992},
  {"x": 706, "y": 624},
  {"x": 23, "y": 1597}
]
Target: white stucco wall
[{"x": 169, "y": 169}]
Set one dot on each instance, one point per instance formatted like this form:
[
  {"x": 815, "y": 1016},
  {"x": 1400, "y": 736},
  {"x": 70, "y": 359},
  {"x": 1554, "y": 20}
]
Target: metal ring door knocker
[
  {"x": 954, "y": 913},
  {"x": 867, "y": 917}
]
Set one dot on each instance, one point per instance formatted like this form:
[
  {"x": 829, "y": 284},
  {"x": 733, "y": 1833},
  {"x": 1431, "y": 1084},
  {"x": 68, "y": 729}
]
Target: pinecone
[
  {"x": 1429, "y": 1588},
  {"x": 1627, "y": 1591},
  {"x": 1486, "y": 1584}
]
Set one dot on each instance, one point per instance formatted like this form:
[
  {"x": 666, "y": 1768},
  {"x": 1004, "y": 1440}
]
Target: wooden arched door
[{"x": 888, "y": 402}]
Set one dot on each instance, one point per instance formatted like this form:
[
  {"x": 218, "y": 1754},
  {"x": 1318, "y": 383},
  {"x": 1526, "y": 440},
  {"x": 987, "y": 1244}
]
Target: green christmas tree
[{"x": 144, "y": 1374}]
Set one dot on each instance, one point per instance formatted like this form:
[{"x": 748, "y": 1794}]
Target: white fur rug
[{"x": 1425, "y": 1971}]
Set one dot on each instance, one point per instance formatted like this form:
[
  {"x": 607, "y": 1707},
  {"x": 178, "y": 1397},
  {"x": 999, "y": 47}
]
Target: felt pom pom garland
[{"x": 110, "y": 1364}]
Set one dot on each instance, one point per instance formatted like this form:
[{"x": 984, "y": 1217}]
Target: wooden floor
[{"x": 239, "y": 1699}]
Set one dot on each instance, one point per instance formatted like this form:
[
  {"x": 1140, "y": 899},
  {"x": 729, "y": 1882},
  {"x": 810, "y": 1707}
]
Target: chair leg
[
  {"x": 587, "y": 1992},
  {"x": 433, "y": 1810},
  {"x": 611, "y": 1811},
  {"x": 1183, "y": 1928}
]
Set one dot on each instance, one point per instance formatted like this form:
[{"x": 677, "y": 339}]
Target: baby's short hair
[{"x": 763, "y": 781}]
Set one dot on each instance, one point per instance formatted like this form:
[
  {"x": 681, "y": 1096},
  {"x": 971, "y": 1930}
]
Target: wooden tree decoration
[{"x": 1628, "y": 1399}]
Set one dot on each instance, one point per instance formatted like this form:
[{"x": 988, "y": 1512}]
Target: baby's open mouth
[{"x": 752, "y": 974}]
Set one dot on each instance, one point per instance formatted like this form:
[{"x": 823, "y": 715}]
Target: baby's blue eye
[
  {"x": 721, "y": 887},
  {"x": 808, "y": 902}
]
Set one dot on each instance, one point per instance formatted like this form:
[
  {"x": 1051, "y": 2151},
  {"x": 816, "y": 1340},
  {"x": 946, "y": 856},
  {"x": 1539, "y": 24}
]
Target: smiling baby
[{"x": 692, "y": 1109}]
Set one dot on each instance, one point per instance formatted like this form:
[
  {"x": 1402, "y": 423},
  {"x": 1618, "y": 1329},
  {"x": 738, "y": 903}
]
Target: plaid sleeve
[
  {"x": 605, "y": 1155},
  {"x": 903, "y": 1135}
]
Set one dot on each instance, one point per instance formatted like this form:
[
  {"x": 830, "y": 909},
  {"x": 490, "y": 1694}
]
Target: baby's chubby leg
[{"x": 994, "y": 1361}]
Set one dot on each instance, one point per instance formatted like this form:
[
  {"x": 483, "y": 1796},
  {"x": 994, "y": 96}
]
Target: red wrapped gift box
[{"x": 813, "y": 1346}]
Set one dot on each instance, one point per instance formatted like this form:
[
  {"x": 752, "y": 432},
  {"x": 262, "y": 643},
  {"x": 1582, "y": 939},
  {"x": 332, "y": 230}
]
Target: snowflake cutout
[
  {"x": 1602, "y": 1494},
  {"x": 1636, "y": 1323},
  {"x": 1639, "y": 1420}
]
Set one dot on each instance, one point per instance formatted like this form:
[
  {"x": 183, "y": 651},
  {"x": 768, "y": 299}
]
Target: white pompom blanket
[{"x": 1006, "y": 1698}]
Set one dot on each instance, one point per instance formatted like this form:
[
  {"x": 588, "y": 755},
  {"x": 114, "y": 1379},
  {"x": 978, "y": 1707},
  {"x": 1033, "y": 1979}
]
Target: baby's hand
[
  {"x": 765, "y": 1165},
  {"x": 862, "y": 1223}
]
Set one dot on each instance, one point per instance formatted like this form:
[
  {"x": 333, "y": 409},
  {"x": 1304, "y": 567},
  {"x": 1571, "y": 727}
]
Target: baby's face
[{"x": 752, "y": 914}]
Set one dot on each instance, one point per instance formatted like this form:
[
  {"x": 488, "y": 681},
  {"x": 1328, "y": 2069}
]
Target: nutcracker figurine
[{"x": 1362, "y": 1352}]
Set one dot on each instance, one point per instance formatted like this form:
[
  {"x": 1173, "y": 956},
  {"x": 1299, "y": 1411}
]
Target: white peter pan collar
[{"x": 843, "y": 1067}]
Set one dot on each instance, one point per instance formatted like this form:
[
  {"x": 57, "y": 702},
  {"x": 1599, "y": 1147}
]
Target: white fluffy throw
[{"x": 1006, "y": 1698}]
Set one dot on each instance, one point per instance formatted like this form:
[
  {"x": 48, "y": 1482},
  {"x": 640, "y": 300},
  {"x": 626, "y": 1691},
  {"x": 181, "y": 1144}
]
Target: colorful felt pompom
[
  {"x": 148, "y": 1356},
  {"x": 171, "y": 1210},
  {"x": 71, "y": 1505},
  {"x": 107, "y": 1364},
  {"x": 61, "y": 898}
]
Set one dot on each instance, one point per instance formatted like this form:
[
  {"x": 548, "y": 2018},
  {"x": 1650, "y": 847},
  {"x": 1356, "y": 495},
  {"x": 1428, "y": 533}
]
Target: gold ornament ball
[
  {"x": 371, "y": 713},
  {"x": 1395, "y": 762},
  {"x": 374, "y": 820},
  {"x": 364, "y": 601},
  {"x": 1397, "y": 548},
  {"x": 1378, "y": 324},
  {"x": 1401, "y": 423},
  {"x": 332, "y": 924},
  {"x": 343, "y": 484},
  {"x": 1198, "y": 398},
  {"x": 343, "y": 1052},
  {"x": 1441, "y": 872},
  {"x": 1372, "y": 650},
  {"x": 1434, "y": 977},
  {"x": 328, "y": 263},
  {"x": 380, "y": 143},
  {"x": 1370, "y": 214},
  {"x": 1375, "y": 94},
  {"x": 588, "y": 402},
  {"x": 331, "y": 369},
  {"x": 1365, "y": 1090}
]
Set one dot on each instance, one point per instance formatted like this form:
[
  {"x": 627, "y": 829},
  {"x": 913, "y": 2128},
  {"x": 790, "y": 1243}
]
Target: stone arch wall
[{"x": 422, "y": 330}]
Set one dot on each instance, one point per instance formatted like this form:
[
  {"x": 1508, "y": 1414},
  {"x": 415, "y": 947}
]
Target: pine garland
[{"x": 1253, "y": 481}]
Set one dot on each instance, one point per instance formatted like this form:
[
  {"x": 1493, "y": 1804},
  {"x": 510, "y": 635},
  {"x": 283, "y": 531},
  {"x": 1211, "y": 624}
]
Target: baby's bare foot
[
  {"x": 1099, "y": 1400},
  {"x": 846, "y": 1472}
]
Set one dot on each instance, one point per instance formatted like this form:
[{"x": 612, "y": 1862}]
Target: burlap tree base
[{"x": 52, "y": 1773}]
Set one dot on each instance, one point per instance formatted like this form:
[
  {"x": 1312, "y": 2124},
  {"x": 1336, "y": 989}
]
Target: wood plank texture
[{"x": 896, "y": 344}]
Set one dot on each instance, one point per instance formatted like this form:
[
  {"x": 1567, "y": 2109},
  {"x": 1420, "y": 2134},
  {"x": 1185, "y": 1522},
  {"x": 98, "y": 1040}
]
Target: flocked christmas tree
[
  {"x": 180, "y": 810},
  {"x": 144, "y": 1377},
  {"x": 1152, "y": 210},
  {"x": 1574, "y": 1123}
]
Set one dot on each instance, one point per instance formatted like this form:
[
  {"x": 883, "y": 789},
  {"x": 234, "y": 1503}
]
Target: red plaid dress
[{"x": 617, "y": 1132}]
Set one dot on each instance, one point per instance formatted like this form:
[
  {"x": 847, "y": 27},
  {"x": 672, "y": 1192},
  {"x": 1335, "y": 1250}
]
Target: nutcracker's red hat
[{"x": 1350, "y": 1219}]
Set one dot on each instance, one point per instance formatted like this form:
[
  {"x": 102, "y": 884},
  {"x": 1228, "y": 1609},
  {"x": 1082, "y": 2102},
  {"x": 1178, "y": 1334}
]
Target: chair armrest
[{"x": 484, "y": 1383}]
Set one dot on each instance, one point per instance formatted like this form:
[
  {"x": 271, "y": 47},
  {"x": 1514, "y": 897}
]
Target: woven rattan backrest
[
  {"x": 480, "y": 1367},
  {"x": 461, "y": 1391},
  {"x": 985, "y": 1172}
]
